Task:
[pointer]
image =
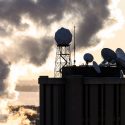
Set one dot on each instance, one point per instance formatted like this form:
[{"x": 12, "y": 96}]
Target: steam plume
[
  {"x": 4, "y": 71},
  {"x": 7, "y": 89}
]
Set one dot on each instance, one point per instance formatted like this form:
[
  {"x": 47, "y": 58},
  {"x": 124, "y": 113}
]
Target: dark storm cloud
[
  {"x": 45, "y": 12},
  {"x": 3, "y": 32},
  {"x": 93, "y": 13},
  {"x": 96, "y": 13},
  {"x": 40, "y": 12},
  {"x": 35, "y": 51},
  {"x": 30, "y": 50}
]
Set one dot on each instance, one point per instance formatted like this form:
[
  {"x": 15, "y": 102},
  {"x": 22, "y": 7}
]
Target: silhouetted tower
[{"x": 63, "y": 38}]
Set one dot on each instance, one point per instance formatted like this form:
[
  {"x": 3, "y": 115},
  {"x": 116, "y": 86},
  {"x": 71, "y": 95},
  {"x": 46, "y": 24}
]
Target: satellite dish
[
  {"x": 63, "y": 37},
  {"x": 108, "y": 54},
  {"x": 88, "y": 58},
  {"x": 119, "y": 50},
  {"x": 120, "y": 53},
  {"x": 121, "y": 61},
  {"x": 96, "y": 67},
  {"x": 120, "y": 56}
]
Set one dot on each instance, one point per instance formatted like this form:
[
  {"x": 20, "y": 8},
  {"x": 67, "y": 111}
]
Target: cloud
[
  {"x": 36, "y": 52},
  {"x": 93, "y": 15},
  {"x": 42, "y": 10},
  {"x": 29, "y": 50}
]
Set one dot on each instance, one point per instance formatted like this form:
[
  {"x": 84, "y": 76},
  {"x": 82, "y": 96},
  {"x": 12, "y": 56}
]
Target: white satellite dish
[
  {"x": 96, "y": 67},
  {"x": 88, "y": 58},
  {"x": 108, "y": 55}
]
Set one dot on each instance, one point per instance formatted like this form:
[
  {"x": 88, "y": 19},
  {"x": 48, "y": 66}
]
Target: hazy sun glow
[
  {"x": 32, "y": 30},
  {"x": 17, "y": 71},
  {"x": 116, "y": 21}
]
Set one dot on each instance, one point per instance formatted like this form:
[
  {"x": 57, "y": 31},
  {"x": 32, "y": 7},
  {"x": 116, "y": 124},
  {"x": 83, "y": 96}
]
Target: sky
[
  {"x": 119, "y": 38},
  {"x": 27, "y": 29}
]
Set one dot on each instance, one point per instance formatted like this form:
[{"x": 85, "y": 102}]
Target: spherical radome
[{"x": 63, "y": 37}]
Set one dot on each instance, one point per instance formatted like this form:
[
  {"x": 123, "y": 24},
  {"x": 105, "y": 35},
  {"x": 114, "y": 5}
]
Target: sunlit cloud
[{"x": 28, "y": 28}]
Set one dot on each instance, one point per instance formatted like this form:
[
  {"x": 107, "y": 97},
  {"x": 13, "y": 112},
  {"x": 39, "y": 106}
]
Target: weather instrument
[
  {"x": 108, "y": 55},
  {"x": 120, "y": 53},
  {"x": 120, "y": 57},
  {"x": 88, "y": 58},
  {"x": 63, "y": 38}
]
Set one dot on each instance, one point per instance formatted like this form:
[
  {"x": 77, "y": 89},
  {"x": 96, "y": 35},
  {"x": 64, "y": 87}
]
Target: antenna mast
[{"x": 74, "y": 46}]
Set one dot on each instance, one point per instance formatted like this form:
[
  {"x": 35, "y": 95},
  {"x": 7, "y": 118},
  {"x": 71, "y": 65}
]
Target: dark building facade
[{"x": 79, "y": 99}]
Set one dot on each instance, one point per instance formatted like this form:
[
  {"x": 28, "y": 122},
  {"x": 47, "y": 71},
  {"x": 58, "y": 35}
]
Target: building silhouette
[{"x": 83, "y": 97}]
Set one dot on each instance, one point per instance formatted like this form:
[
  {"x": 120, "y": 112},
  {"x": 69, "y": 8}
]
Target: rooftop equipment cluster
[
  {"x": 63, "y": 38},
  {"x": 111, "y": 59}
]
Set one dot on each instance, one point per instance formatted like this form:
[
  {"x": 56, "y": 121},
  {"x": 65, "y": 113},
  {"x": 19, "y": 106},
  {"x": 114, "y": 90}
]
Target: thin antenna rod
[{"x": 74, "y": 46}]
